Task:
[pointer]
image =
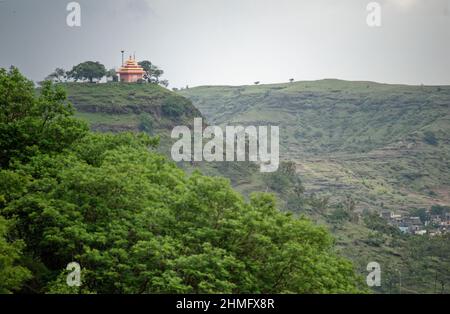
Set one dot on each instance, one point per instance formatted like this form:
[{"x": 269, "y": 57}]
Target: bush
[
  {"x": 173, "y": 106},
  {"x": 146, "y": 124},
  {"x": 339, "y": 215},
  {"x": 376, "y": 223},
  {"x": 430, "y": 138}
]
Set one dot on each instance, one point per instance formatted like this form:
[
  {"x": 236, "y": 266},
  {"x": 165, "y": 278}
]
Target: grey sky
[{"x": 200, "y": 42}]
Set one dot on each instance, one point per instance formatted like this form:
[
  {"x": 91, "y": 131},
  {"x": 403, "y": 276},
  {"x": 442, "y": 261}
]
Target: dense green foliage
[
  {"x": 138, "y": 224},
  {"x": 12, "y": 276},
  {"x": 30, "y": 125}
]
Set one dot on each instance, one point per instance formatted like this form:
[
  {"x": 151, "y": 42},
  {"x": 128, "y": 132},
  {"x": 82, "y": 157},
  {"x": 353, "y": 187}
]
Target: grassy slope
[
  {"x": 115, "y": 107},
  {"x": 349, "y": 137}
]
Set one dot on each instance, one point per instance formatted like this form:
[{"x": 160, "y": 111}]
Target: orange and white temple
[{"x": 131, "y": 71}]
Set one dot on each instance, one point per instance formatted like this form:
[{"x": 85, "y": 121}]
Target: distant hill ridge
[
  {"x": 386, "y": 144},
  {"x": 330, "y": 115}
]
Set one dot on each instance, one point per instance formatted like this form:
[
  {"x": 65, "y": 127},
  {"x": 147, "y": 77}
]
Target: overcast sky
[{"x": 233, "y": 42}]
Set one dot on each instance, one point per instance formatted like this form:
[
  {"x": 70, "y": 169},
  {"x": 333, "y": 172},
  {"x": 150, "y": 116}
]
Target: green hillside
[
  {"x": 387, "y": 144},
  {"x": 121, "y": 107}
]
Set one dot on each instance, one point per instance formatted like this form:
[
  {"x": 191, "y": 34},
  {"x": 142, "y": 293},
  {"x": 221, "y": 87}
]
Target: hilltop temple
[{"x": 131, "y": 71}]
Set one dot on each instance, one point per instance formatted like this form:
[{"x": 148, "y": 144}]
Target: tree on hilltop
[
  {"x": 57, "y": 76},
  {"x": 88, "y": 70},
  {"x": 111, "y": 73},
  {"x": 153, "y": 73}
]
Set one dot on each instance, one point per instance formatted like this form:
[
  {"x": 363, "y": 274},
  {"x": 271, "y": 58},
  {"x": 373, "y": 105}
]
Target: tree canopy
[
  {"x": 135, "y": 222},
  {"x": 11, "y": 275},
  {"x": 88, "y": 70},
  {"x": 31, "y": 124}
]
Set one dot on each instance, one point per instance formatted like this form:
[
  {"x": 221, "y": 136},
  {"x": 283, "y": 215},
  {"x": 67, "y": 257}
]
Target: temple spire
[{"x": 131, "y": 71}]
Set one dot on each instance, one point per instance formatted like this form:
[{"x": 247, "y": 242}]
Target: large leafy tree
[
  {"x": 31, "y": 124},
  {"x": 138, "y": 224},
  {"x": 88, "y": 70}
]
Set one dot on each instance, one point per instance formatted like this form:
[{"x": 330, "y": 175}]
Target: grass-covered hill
[
  {"x": 388, "y": 145},
  {"x": 356, "y": 146},
  {"x": 130, "y": 107},
  {"x": 330, "y": 115}
]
